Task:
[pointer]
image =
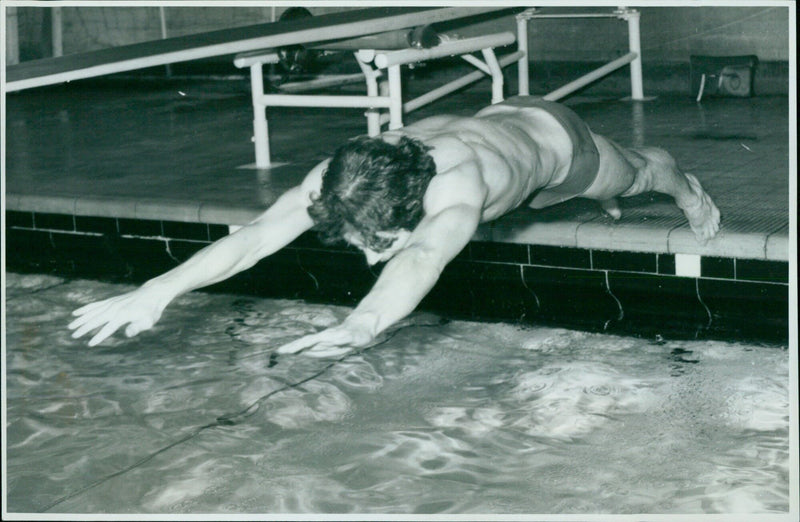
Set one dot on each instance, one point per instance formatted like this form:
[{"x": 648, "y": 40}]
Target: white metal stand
[
  {"x": 383, "y": 100},
  {"x": 634, "y": 56},
  {"x": 12, "y": 36}
]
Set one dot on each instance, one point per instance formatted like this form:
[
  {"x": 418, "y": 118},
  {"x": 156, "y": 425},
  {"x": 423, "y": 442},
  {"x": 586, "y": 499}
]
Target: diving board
[{"x": 329, "y": 27}]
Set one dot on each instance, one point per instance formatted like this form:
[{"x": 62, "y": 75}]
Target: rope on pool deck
[{"x": 232, "y": 419}]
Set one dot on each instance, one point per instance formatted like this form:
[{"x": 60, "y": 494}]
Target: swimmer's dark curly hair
[{"x": 372, "y": 186}]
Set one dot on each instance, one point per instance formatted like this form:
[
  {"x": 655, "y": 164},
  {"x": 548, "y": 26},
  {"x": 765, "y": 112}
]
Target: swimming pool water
[{"x": 196, "y": 416}]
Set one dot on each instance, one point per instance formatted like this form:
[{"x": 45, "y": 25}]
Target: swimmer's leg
[{"x": 628, "y": 172}]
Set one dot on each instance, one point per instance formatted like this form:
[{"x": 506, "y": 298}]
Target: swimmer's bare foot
[
  {"x": 701, "y": 212},
  {"x": 611, "y": 207}
]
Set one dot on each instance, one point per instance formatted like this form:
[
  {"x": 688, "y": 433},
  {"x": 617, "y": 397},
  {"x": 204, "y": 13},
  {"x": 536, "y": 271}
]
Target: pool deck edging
[{"x": 665, "y": 235}]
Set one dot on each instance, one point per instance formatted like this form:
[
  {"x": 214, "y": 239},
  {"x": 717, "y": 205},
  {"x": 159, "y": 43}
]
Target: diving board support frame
[
  {"x": 633, "y": 57},
  {"x": 381, "y": 95},
  {"x": 454, "y": 85},
  {"x": 374, "y": 88},
  {"x": 12, "y": 35},
  {"x": 491, "y": 66},
  {"x": 260, "y": 125}
]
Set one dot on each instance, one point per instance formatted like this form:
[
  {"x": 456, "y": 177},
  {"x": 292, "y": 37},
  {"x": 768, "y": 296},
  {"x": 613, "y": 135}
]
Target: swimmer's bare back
[
  {"x": 521, "y": 148},
  {"x": 515, "y": 153}
]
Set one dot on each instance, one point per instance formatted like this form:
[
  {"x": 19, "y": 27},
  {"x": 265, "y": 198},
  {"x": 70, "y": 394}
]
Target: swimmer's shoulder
[
  {"x": 422, "y": 130},
  {"x": 434, "y": 123},
  {"x": 450, "y": 150},
  {"x": 444, "y": 135},
  {"x": 514, "y": 114},
  {"x": 497, "y": 108}
]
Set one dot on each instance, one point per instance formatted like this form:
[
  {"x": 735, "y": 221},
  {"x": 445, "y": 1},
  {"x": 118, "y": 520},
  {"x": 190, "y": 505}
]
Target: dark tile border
[
  {"x": 718, "y": 267},
  {"x": 616, "y": 292},
  {"x": 181, "y": 250},
  {"x": 53, "y": 221},
  {"x": 762, "y": 270},
  {"x": 747, "y": 309},
  {"x": 179, "y": 230},
  {"x": 666, "y": 264},
  {"x": 28, "y": 246},
  {"x": 19, "y": 219},
  {"x": 572, "y": 296},
  {"x": 98, "y": 225},
  {"x": 568, "y": 257},
  {"x": 625, "y": 261},
  {"x": 658, "y": 304},
  {"x": 216, "y": 232},
  {"x": 453, "y": 292},
  {"x": 499, "y": 292},
  {"x": 140, "y": 227},
  {"x": 498, "y": 252}
]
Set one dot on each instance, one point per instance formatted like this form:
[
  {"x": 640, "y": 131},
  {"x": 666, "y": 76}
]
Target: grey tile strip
[{"x": 592, "y": 234}]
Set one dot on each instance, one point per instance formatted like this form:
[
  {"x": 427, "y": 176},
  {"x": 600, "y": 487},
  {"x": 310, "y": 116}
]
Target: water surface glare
[{"x": 195, "y": 416}]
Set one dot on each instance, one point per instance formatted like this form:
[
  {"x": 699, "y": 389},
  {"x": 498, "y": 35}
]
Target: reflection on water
[{"x": 196, "y": 417}]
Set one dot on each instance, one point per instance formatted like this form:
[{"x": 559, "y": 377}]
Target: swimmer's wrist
[
  {"x": 161, "y": 291},
  {"x": 365, "y": 324}
]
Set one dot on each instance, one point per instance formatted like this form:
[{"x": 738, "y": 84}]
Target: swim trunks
[{"x": 585, "y": 156}]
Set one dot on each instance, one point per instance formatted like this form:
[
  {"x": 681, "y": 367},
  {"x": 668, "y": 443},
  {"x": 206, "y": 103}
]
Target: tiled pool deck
[{"x": 163, "y": 162}]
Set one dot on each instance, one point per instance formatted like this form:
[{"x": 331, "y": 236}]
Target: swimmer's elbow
[{"x": 427, "y": 264}]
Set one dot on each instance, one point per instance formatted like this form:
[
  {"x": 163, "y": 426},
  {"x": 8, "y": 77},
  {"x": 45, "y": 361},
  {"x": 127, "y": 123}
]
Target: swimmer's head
[{"x": 371, "y": 192}]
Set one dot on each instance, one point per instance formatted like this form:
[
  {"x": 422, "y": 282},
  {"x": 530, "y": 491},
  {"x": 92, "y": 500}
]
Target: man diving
[{"x": 414, "y": 197}]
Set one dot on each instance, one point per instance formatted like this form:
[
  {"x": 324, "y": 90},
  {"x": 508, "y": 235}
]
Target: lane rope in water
[{"x": 232, "y": 419}]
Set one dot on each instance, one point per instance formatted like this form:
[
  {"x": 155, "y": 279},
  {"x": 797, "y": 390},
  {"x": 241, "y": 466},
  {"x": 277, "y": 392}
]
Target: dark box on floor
[{"x": 723, "y": 75}]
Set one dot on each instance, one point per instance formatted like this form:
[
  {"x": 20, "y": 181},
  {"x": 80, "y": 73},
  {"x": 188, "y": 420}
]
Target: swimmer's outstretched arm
[
  {"x": 447, "y": 227},
  {"x": 404, "y": 282},
  {"x": 286, "y": 219}
]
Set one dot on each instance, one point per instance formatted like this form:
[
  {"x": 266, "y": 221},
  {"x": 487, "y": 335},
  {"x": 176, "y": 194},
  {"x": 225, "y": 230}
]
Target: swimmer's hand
[
  {"x": 139, "y": 310},
  {"x": 332, "y": 342}
]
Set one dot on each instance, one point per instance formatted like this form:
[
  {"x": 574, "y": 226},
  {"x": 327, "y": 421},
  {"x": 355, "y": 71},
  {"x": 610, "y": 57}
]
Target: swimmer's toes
[
  {"x": 611, "y": 207},
  {"x": 705, "y": 224},
  {"x": 703, "y": 215}
]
